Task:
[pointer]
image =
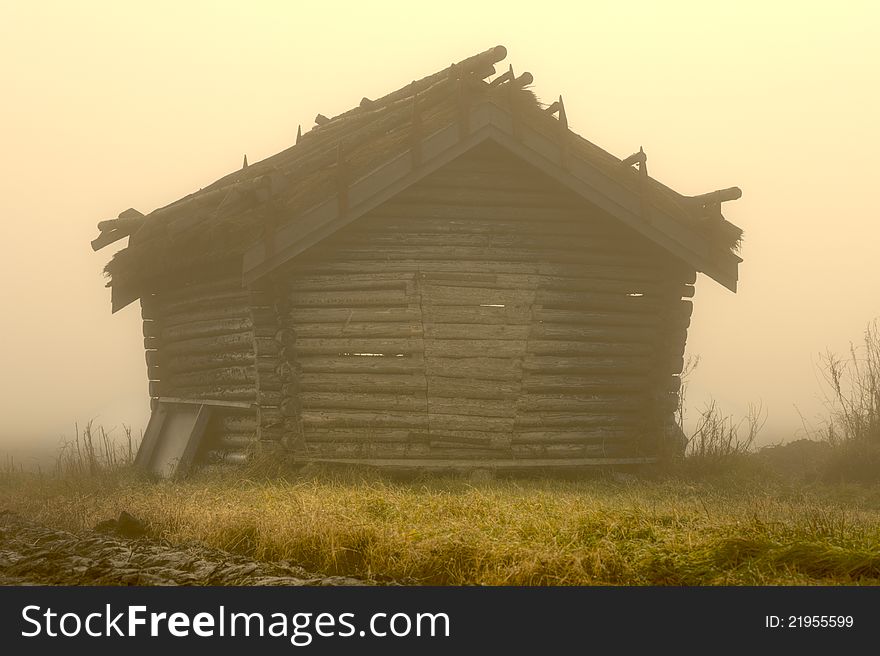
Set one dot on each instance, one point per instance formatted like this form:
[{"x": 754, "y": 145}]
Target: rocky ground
[{"x": 117, "y": 553}]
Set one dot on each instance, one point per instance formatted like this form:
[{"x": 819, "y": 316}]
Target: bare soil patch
[{"x": 35, "y": 554}]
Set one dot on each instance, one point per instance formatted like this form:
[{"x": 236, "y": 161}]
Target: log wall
[
  {"x": 484, "y": 313},
  {"x": 200, "y": 341}
]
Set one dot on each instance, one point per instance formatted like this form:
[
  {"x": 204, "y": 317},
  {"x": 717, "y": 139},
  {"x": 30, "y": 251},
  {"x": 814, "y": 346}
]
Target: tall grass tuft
[
  {"x": 95, "y": 451},
  {"x": 853, "y": 403}
]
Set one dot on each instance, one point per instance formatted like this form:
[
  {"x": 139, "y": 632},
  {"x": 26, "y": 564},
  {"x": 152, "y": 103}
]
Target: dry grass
[{"x": 529, "y": 532}]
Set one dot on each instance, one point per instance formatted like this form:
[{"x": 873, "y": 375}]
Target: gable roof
[{"x": 269, "y": 212}]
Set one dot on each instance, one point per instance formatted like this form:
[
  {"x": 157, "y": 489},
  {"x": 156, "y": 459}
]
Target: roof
[{"x": 266, "y": 213}]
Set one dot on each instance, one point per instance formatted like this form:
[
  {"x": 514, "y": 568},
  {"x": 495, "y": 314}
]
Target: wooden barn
[{"x": 444, "y": 276}]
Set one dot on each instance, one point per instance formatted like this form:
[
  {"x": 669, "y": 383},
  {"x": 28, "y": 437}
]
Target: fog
[{"x": 107, "y": 107}]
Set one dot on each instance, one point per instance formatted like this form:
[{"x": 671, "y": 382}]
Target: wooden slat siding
[
  {"x": 203, "y": 333},
  {"x": 578, "y": 361}
]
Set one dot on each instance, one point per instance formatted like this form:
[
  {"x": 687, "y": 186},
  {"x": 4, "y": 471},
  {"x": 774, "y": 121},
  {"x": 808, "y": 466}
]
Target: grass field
[
  {"x": 804, "y": 513},
  {"x": 745, "y": 526}
]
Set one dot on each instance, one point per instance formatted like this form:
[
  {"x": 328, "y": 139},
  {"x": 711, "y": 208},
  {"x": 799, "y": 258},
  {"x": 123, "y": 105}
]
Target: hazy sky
[{"x": 110, "y": 105}]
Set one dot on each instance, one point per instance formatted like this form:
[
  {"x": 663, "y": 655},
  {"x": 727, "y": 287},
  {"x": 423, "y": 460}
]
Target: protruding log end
[
  {"x": 731, "y": 193},
  {"x": 498, "y": 53},
  {"x": 719, "y": 196},
  {"x": 320, "y": 119}
]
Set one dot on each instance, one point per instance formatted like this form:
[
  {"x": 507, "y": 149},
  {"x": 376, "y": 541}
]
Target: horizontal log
[
  {"x": 609, "y": 319},
  {"x": 216, "y": 285},
  {"x": 201, "y": 329},
  {"x": 362, "y": 419},
  {"x": 351, "y": 282},
  {"x": 244, "y": 423},
  {"x": 443, "y": 217},
  {"x": 588, "y": 364},
  {"x": 342, "y": 345},
  {"x": 549, "y": 240},
  {"x": 246, "y": 393},
  {"x": 550, "y": 420},
  {"x": 599, "y": 404},
  {"x": 241, "y": 443},
  {"x": 628, "y": 266},
  {"x": 577, "y": 435},
  {"x": 475, "y": 367},
  {"x": 476, "y": 331},
  {"x": 469, "y": 197},
  {"x": 220, "y": 312},
  {"x": 382, "y": 298},
  {"x": 355, "y": 364},
  {"x": 485, "y": 265},
  {"x": 439, "y": 295},
  {"x": 547, "y": 383},
  {"x": 358, "y": 329},
  {"x": 464, "y": 406},
  {"x": 213, "y": 377},
  {"x": 452, "y": 387},
  {"x": 359, "y": 401},
  {"x": 488, "y": 314},
  {"x": 375, "y": 434},
  {"x": 563, "y": 348},
  {"x": 366, "y": 450},
  {"x": 181, "y": 363},
  {"x": 473, "y": 348},
  {"x": 243, "y": 341},
  {"x": 198, "y": 303},
  {"x": 348, "y": 316},
  {"x": 604, "y": 334},
  {"x": 152, "y": 358},
  {"x": 221, "y": 457},
  {"x": 368, "y": 383}
]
